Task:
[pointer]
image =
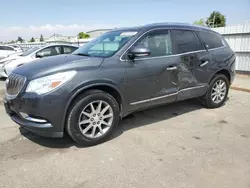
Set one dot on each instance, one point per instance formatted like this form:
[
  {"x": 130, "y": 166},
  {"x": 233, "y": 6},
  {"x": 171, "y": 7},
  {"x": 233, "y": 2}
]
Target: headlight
[{"x": 49, "y": 83}]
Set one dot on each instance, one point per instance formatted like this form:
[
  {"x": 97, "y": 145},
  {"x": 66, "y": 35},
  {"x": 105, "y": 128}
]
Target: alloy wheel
[
  {"x": 95, "y": 119},
  {"x": 219, "y": 90}
]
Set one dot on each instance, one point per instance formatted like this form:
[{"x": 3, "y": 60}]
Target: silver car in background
[{"x": 7, "y": 65}]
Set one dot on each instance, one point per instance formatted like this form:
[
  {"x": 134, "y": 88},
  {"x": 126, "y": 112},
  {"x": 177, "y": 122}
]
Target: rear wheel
[
  {"x": 93, "y": 117},
  {"x": 217, "y": 92}
]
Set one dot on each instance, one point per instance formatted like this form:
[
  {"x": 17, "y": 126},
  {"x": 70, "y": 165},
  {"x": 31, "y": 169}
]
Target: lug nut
[
  {"x": 98, "y": 122},
  {"x": 94, "y": 115},
  {"x": 94, "y": 123}
]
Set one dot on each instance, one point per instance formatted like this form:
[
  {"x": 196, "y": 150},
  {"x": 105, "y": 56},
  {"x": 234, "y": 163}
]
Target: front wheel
[
  {"x": 93, "y": 117},
  {"x": 217, "y": 92}
]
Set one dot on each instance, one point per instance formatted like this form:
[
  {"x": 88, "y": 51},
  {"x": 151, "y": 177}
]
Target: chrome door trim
[
  {"x": 152, "y": 99},
  {"x": 172, "y": 68},
  {"x": 164, "y": 96}
]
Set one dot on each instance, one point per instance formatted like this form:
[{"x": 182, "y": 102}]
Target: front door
[{"x": 152, "y": 79}]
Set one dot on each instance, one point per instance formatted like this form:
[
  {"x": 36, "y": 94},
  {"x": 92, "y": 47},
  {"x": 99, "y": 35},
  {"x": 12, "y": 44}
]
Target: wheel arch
[
  {"x": 225, "y": 72},
  {"x": 106, "y": 87}
]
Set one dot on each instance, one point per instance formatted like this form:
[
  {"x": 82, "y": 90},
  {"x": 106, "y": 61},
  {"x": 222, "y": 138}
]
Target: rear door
[
  {"x": 220, "y": 54},
  {"x": 192, "y": 57}
]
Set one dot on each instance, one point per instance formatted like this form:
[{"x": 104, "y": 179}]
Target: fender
[{"x": 87, "y": 85}]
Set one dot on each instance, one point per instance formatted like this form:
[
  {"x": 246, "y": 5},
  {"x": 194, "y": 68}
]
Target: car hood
[{"x": 60, "y": 63}]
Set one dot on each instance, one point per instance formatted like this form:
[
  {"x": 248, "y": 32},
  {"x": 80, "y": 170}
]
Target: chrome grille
[{"x": 14, "y": 84}]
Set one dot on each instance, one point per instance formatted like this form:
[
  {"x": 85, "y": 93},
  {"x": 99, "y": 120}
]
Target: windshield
[
  {"x": 30, "y": 51},
  {"x": 106, "y": 45}
]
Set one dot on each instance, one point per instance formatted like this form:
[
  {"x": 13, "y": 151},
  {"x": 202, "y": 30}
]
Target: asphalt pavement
[
  {"x": 178, "y": 145},
  {"x": 2, "y": 85}
]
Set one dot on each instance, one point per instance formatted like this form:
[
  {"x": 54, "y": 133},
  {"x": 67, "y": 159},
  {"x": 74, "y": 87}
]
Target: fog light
[{"x": 36, "y": 120}]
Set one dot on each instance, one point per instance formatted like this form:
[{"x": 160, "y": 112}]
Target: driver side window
[{"x": 158, "y": 42}]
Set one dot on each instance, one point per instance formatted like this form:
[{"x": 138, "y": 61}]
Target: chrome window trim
[
  {"x": 168, "y": 95},
  {"x": 165, "y": 28},
  {"x": 168, "y": 55},
  {"x": 217, "y": 48}
]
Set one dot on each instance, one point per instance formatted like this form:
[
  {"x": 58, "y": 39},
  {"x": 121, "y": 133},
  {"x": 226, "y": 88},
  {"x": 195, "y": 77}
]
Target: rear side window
[
  {"x": 68, "y": 49},
  {"x": 185, "y": 41},
  {"x": 211, "y": 40}
]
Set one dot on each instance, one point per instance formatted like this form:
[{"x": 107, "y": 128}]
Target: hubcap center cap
[{"x": 96, "y": 119}]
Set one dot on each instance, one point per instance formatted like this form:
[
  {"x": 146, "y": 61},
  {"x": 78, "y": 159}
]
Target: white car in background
[
  {"x": 7, "y": 50},
  {"x": 12, "y": 56},
  {"x": 7, "y": 65}
]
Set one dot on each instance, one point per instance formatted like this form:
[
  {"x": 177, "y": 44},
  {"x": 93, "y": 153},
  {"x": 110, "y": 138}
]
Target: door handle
[
  {"x": 204, "y": 63},
  {"x": 172, "y": 68}
]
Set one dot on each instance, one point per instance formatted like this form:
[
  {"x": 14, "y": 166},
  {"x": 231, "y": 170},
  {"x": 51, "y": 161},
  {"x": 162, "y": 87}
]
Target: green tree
[
  {"x": 200, "y": 22},
  {"x": 216, "y": 19},
  {"x": 32, "y": 39},
  {"x": 83, "y": 35},
  {"x": 19, "y": 39},
  {"x": 41, "y": 38}
]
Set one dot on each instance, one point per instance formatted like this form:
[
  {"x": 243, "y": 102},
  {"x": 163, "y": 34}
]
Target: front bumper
[{"x": 45, "y": 114}]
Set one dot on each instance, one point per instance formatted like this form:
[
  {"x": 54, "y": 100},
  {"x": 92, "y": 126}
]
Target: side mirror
[
  {"x": 40, "y": 55},
  {"x": 138, "y": 52}
]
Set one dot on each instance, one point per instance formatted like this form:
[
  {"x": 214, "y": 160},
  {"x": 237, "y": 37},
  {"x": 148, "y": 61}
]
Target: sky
[{"x": 30, "y": 18}]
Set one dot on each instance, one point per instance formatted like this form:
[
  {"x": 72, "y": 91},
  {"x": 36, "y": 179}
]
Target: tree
[
  {"x": 19, "y": 39},
  {"x": 32, "y": 39},
  {"x": 216, "y": 19},
  {"x": 200, "y": 22},
  {"x": 41, "y": 38},
  {"x": 83, "y": 35}
]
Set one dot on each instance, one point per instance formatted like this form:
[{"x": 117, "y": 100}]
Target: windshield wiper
[{"x": 82, "y": 54}]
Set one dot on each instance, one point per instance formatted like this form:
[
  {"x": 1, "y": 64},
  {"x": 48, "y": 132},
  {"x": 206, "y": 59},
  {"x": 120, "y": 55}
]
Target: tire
[
  {"x": 207, "y": 99},
  {"x": 83, "y": 104}
]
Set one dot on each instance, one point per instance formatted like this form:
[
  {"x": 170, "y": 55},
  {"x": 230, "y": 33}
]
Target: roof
[
  {"x": 98, "y": 30},
  {"x": 170, "y": 25}
]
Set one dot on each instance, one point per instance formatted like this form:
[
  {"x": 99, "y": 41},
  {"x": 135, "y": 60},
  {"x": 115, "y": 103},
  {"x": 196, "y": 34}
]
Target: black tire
[
  {"x": 76, "y": 109},
  {"x": 207, "y": 99}
]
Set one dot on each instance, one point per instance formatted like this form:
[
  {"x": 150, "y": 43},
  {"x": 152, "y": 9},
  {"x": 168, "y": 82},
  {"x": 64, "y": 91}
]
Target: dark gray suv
[{"x": 125, "y": 70}]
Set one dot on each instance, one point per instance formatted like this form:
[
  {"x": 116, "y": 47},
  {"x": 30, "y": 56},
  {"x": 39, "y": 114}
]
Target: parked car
[
  {"x": 7, "y": 50},
  {"x": 16, "y": 47},
  {"x": 9, "y": 64},
  {"x": 11, "y": 57},
  {"x": 125, "y": 70}
]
